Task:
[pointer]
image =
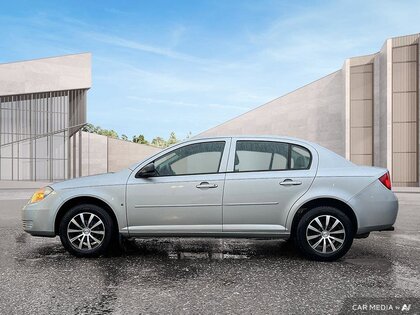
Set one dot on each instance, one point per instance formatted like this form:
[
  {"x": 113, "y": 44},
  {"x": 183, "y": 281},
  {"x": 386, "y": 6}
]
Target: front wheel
[
  {"x": 86, "y": 230},
  {"x": 324, "y": 234}
]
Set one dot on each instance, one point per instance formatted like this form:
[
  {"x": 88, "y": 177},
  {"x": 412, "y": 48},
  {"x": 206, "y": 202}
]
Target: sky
[{"x": 186, "y": 65}]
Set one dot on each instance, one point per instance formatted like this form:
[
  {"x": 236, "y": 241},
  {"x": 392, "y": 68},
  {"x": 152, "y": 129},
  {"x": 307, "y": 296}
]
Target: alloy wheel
[
  {"x": 325, "y": 234},
  {"x": 86, "y": 231}
]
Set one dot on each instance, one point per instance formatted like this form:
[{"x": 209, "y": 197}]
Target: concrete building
[
  {"x": 39, "y": 101},
  {"x": 43, "y": 106},
  {"x": 366, "y": 111}
]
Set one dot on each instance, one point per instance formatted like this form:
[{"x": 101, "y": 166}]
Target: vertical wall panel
[
  {"x": 405, "y": 53},
  {"x": 361, "y": 114},
  {"x": 407, "y": 107},
  {"x": 404, "y": 77},
  {"x": 404, "y": 164},
  {"x": 405, "y": 115}
]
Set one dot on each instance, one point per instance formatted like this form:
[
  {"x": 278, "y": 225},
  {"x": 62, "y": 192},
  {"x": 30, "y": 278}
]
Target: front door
[
  {"x": 264, "y": 180},
  {"x": 185, "y": 195}
]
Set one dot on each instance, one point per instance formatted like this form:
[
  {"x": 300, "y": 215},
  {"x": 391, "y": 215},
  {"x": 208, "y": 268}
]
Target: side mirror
[{"x": 147, "y": 171}]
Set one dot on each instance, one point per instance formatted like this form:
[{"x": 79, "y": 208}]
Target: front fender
[{"x": 113, "y": 196}]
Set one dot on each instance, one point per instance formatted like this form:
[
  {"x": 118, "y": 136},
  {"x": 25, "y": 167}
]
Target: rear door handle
[
  {"x": 290, "y": 182},
  {"x": 206, "y": 185}
]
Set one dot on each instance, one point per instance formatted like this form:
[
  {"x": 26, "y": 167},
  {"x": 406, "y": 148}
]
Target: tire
[
  {"x": 87, "y": 230},
  {"x": 337, "y": 234}
]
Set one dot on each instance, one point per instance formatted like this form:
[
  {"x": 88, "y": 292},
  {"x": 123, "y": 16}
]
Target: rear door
[{"x": 264, "y": 180}]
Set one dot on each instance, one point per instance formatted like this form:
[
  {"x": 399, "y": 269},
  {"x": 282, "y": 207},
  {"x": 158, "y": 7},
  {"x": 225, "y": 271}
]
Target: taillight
[{"x": 386, "y": 180}]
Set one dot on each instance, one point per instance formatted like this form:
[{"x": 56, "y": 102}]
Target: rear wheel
[
  {"x": 324, "y": 234},
  {"x": 86, "y": 230}
]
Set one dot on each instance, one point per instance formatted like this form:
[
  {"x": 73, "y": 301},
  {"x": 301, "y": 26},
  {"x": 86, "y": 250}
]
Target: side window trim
[
  {"x": 223, "y": 158},
  {"x": 231, "y": 164}
]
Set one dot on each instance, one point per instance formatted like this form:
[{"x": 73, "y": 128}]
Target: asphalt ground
[{"x": 208, "y": 276}]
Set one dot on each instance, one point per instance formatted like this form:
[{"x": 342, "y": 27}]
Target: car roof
[{"x": 262, "y": 137}]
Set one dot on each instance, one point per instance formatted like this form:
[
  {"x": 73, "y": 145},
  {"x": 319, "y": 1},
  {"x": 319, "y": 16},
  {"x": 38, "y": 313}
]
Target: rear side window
[
  {"x": 260, "y": 156},
  {"x": 254, "y": 156}
]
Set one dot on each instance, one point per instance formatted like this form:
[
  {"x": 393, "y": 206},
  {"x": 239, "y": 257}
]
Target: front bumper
[
  {"x": 38, "y": 218},
  {"x": 376, "y": 208}
]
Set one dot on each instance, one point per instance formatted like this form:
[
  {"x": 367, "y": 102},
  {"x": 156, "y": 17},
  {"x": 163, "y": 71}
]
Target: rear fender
[{"x": 337, "y": 188}]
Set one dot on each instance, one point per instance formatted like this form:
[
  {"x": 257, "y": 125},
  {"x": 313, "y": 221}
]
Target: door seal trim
[
  {"x": 179, "y": 205},
  {"x": 267, "y": 203}
]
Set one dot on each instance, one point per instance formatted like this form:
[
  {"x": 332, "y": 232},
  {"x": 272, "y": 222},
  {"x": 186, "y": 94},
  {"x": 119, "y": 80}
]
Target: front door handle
[
  {"x": 206, "y": 185},
  {"x": 290, "y": 182}
]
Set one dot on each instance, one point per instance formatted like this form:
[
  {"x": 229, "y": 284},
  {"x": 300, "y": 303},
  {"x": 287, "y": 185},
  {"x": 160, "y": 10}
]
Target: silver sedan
[{"x": 251, "y": 187}]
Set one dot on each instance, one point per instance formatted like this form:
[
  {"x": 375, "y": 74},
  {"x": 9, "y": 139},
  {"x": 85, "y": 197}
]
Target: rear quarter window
[{"x": 300, "y": 157}]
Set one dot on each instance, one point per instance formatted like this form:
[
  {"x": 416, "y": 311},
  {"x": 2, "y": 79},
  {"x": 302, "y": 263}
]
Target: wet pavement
[{"x": 204, "y": 276}]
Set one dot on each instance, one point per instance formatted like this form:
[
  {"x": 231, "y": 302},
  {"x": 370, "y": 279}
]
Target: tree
[
  {"x": 89, "y": 128},
  {"x": 140, "y": 139},
  {"x": 172, "y": 139},
  {"x": 98, "y": 130},
  {"x": 159, "y": 142},
  {"x": 109, "y": 133}
]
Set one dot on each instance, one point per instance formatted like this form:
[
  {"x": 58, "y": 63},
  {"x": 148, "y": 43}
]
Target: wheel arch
[
  {"x": 324, "y": 201},
  {"x": 68, "y": 204}
]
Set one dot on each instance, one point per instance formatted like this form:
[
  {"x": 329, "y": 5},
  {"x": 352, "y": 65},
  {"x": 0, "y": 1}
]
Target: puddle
[
  {"x": 49, "y": 251},
  {"x": 173, "y": 249},
  {"x": 208, "y": 249},
  {"x": 203, "y": 255}
]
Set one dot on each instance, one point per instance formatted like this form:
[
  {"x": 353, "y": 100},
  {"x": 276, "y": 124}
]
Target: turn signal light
[
  {"x": 386, "y": 180},
  {"x": 41, "y": 194}
]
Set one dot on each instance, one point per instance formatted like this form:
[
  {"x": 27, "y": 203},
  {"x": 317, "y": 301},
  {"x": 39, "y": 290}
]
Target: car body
[{"x": 245, "y": 186}]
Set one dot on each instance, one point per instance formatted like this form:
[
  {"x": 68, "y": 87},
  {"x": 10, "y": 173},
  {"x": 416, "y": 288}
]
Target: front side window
[
  {"x": 254, "y": 156},
  {"x": 198, "y": 158}
]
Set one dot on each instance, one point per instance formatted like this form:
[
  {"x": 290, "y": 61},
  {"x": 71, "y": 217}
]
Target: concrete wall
[
  {"x": 101, "y": 154},
  {"x": 46, "y": 75},
  {"x": 122, "y": 154},
  {"x": 315, "y": 112},
  {"x": 94, "y": 154}
]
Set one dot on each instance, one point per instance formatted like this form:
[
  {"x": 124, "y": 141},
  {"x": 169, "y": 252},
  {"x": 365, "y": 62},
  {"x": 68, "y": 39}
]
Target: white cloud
[
  {"x": 137, "y": 45},
  {"x": 176, "y": 103}
]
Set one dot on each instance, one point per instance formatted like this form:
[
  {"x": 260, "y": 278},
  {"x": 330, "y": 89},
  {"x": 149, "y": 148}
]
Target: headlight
[{"x": 41, "y": 194}]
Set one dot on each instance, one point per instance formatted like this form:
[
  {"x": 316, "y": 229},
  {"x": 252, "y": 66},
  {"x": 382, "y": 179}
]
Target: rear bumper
[{"x": 376, "y": 208}]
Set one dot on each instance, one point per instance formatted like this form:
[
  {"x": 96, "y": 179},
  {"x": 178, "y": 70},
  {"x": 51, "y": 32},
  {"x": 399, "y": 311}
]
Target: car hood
[{"x": 117, "y": 178}]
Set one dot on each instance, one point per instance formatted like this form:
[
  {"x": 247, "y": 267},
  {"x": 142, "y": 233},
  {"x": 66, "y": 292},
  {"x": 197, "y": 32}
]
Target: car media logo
[{"x": 381, "y": 306}]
